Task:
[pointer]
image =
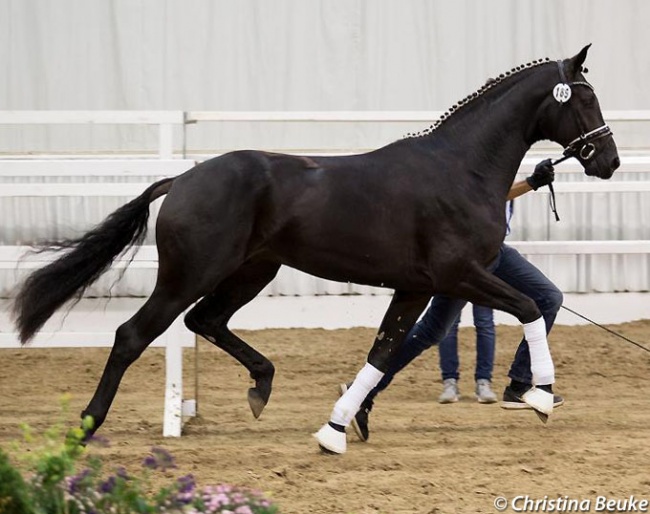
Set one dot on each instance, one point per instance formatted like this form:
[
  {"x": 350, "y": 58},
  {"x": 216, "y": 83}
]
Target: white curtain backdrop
[
  {"x": 312, "y": 55},
  {"x": 294, "y": 55}
]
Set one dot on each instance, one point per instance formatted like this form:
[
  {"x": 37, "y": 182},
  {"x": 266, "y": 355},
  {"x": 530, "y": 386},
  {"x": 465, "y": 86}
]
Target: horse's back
[{"x": 369, "y": 218}]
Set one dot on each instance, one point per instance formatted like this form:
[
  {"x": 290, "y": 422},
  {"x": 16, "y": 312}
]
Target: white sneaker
[
  {"x": 484, "y": 393},
  {"x": 450, "y": 392}
]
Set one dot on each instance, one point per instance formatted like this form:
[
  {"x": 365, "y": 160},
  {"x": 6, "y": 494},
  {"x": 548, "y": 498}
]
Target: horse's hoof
[
  {"x": 331, "y": 441},
  {"x": 540, "y": 400},
  {"x": 259, "y": 395},
  {"x": 326, "y": 451},
  {"x": 256, "y": 402},
  {"x": 543, "y": 417}
]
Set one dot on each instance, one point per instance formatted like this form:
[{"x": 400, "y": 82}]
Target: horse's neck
[
  {"x": 494, "y": 135},
  {"x": 495, "y": 152}
]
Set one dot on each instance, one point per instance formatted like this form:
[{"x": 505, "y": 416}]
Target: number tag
[{"x": 562, "y": 92}]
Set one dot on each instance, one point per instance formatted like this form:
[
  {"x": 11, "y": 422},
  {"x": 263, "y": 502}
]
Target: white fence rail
[
  {"x": 362, "y": 116},
  {"x": 581, "y": 247},
  {"x": 167, "y": 121},
  {"x": 81, "y": 168}
]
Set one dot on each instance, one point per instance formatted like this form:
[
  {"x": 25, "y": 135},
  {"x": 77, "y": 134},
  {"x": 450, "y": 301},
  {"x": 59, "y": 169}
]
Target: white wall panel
[{"x": 294, "y": 55}]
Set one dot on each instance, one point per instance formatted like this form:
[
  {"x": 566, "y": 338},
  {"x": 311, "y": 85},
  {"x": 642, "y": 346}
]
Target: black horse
[{"x": 422, "y": 215}]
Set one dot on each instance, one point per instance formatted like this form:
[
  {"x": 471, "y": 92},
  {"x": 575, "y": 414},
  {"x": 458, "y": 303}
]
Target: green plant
[
  {"x": 53, "y": 484},
  {"x": 14, "y": 498}
]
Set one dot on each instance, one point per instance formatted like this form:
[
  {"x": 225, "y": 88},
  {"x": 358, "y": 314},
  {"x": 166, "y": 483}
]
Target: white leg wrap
[
  {"x": 348, "y": 404},
  {"x": 541, "y": 363}
]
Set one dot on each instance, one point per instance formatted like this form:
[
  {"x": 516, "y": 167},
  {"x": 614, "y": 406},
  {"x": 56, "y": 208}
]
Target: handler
[{"x": 511, "y": 267}]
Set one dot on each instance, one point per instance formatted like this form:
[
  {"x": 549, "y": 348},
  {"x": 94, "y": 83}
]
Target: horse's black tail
[{"x": 84, "y": 261}]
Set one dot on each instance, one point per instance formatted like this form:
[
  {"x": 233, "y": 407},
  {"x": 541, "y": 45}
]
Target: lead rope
[
  {"x": 551, "y": 199},
  {"x": 607, "y": 329},
  {"x": 551, "y": 202}
]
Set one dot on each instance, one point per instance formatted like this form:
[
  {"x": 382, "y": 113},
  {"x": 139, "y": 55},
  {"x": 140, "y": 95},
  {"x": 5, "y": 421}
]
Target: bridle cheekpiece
[{"x": 582, "y": 145}]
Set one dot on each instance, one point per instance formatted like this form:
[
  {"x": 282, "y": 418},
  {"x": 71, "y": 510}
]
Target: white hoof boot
[
  {"x": 540, "y": 400},
  {"x": 330, "y": 440}
]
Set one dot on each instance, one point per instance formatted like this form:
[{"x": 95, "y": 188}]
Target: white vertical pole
[{"x": 173, "y": 415}]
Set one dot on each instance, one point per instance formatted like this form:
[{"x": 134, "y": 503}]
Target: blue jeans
[
  {"x": 511, "y": 267},
  {"x": 485, "y": 338}
]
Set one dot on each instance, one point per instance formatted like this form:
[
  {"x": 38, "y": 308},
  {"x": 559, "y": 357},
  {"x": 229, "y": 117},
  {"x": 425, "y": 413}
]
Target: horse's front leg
[{"x": 402, "y": 313}]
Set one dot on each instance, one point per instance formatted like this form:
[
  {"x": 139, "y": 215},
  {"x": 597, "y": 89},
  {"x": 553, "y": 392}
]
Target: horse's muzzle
[{"x": 601, "y": 170}]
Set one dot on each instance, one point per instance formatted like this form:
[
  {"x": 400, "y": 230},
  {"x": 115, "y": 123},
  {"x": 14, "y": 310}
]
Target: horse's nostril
[{"x": 616, "y": 163}]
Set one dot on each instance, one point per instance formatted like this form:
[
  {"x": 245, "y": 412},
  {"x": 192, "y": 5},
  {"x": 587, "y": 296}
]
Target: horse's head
[{"x": 572, "y": 117}]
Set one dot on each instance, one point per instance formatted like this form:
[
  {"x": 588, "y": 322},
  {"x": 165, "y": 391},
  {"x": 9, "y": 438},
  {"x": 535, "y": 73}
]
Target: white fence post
[{"x": 175, "y": 407}]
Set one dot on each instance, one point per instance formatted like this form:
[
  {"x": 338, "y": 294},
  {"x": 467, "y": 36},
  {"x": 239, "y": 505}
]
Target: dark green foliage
[{"x": 13, "y": 490}]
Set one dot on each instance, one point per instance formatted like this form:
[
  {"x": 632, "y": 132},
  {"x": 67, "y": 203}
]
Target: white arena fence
[{"x": 602, "y": 243}]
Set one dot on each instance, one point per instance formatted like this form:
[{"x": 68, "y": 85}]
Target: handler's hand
[{"x": 542, "y": 176}]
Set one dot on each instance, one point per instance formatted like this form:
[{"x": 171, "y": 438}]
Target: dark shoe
[
  {"x": 360, "y": 421},
  {"x": 512, "y": 398}
]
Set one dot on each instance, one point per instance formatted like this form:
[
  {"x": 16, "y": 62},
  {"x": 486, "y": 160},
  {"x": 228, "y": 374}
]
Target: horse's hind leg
[
  {"x": 401, "y": 315},
  {"x": 131, "y": 339},
  {"x": 210, "y": 316},
  {"x": 483, "y": 288}
]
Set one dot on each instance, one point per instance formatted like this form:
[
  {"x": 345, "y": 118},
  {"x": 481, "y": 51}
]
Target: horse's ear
[{"x": 577, "y": 61}]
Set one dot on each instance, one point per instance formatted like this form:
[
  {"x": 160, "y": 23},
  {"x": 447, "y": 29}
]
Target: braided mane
[{"x": 489, "y": 84}]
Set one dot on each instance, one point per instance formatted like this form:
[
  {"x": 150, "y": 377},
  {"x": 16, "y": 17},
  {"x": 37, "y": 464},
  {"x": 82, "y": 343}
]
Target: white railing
[
  {"x": 165, "y": 120},
  {"x": 582, "y": 247},
  {"x": 361, "y": 116},
  {"x": 314, "y": 116},
  {"x": 168, "y": 120}
]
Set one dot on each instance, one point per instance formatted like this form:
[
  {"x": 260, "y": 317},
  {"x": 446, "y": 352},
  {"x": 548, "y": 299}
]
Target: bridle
[{"x": 582, "y": 146}]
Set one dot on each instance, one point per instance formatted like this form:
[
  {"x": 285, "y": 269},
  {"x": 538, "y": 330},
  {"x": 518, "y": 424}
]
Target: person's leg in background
[
  {"x": 485, "y": 346},
  {"x": 448, "y": 354}
]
